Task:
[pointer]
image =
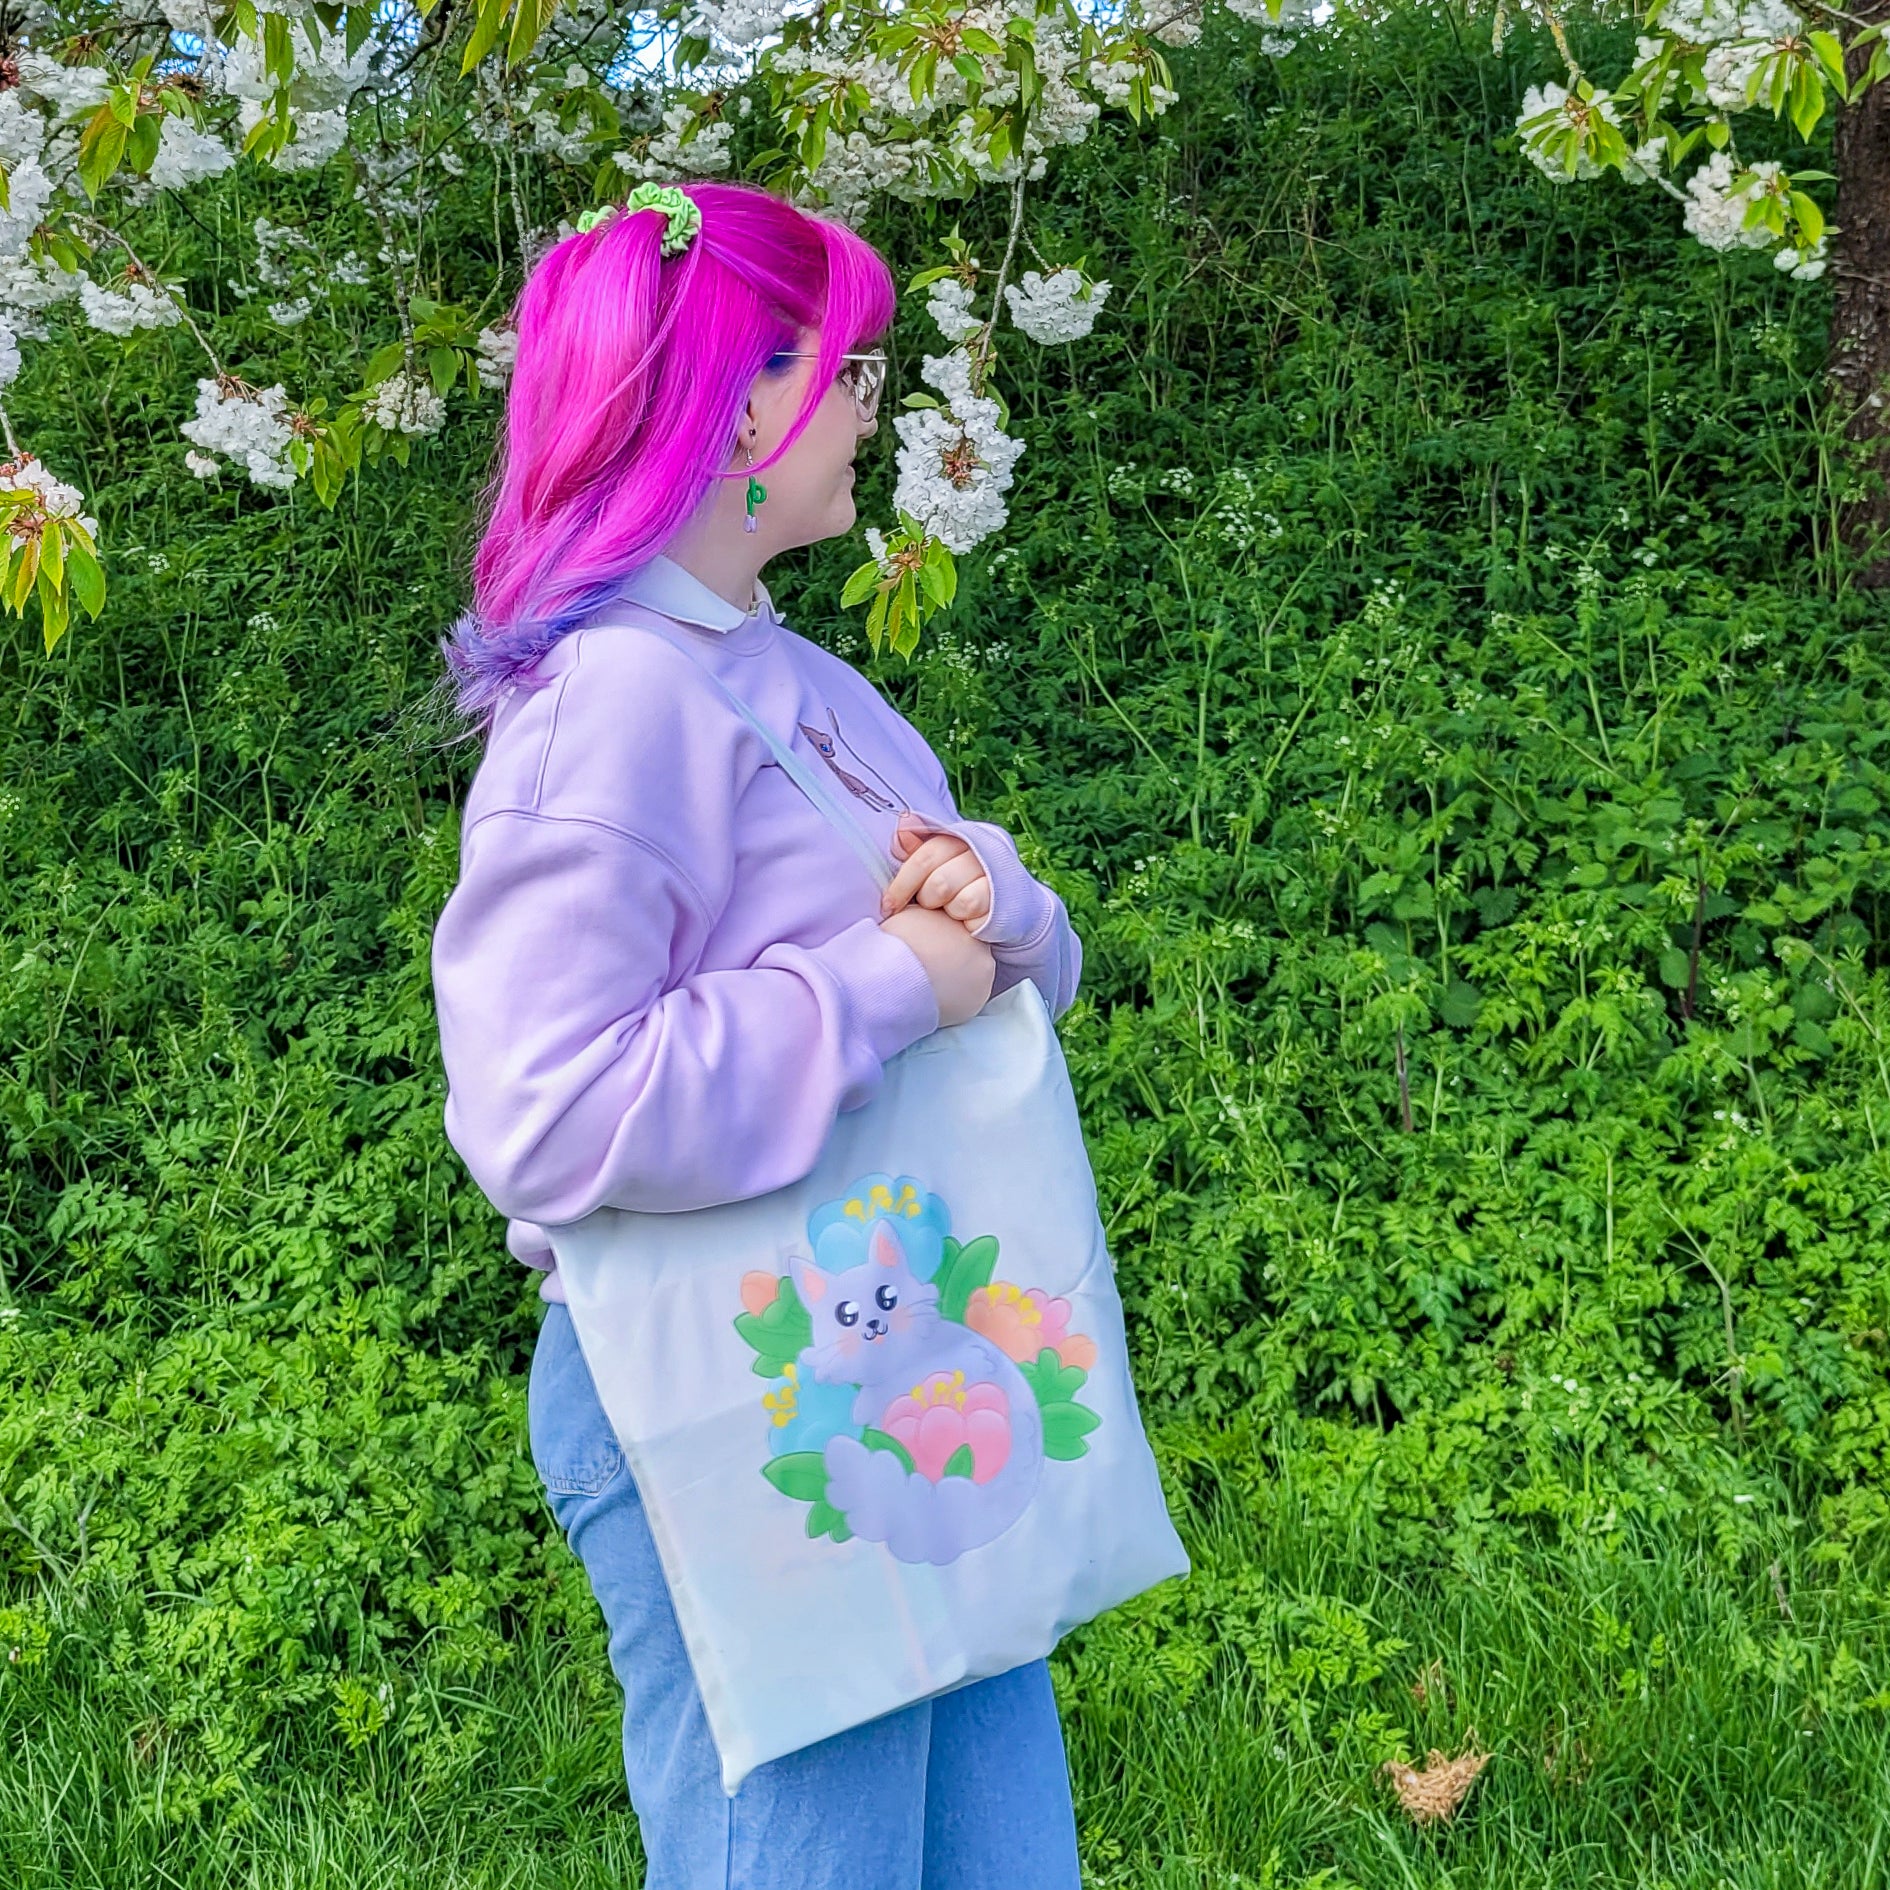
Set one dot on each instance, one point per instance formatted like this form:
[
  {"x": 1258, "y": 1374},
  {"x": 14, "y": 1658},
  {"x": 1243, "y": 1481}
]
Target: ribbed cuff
[
  {"x": 1021, "y": 907},
  {"x": 891, "y": 995}
]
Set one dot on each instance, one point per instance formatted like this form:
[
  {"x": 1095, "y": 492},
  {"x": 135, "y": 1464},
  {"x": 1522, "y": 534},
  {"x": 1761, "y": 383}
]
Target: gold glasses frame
[{"x": 864, "y": 374}]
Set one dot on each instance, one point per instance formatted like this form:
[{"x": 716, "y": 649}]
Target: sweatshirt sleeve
[
  {"x": 1028, "y": 928},
  {"x": 583, "y": 1073}
]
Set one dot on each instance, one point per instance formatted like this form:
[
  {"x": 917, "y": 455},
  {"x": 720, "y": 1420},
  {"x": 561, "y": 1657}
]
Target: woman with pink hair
[{"x": 663, "y": 975}]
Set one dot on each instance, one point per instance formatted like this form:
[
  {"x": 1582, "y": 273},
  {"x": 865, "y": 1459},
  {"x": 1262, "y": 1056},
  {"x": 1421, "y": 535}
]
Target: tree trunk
[{"x": 1860, "y": 314}]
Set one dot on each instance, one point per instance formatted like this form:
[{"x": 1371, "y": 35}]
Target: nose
[{"x": 875, "y": 1328}]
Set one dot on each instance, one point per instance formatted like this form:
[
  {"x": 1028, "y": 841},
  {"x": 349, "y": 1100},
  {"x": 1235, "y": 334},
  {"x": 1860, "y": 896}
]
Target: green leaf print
[
  {"x": 824, "y": 1520},
  {"x": 801, "y": 1474},
  {"x": 779, "y": 1333},
  {"x": 1065, "y": 1426},
  {"x": 884, "y": 1440},
  {"x": 963, "y": 1270},
  {"x": 1053, "y": 1381},
  {"x": 959, "y": 1463}
]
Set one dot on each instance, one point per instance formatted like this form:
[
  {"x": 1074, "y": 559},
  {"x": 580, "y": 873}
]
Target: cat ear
[
  {"x": 883, "y": 1248},
  {"x": 809, "y": 1281}
]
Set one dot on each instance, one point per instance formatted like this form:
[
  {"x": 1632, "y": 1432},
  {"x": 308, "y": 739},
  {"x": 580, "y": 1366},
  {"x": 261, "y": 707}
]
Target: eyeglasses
[{"x": 863, "y": 375}]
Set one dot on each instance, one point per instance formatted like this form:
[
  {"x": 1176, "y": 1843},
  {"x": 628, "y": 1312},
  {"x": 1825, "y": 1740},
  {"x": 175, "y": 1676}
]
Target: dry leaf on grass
[{"x": 1434, "y": 1793}]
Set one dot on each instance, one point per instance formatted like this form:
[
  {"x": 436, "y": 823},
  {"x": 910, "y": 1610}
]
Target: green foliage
[{"x": 1423, "y": 664}]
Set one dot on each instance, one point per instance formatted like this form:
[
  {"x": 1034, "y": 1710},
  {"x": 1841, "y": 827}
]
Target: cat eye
[
  {"x": 846, "y": 1313},
  {"x": 886, "y": 1298}
]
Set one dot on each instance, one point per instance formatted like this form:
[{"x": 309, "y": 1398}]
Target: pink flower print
[
  {"x": 937, "y": 1418},
  {"x": 1023, "y": 1321},
  {"x": 759, "y": 1291}
]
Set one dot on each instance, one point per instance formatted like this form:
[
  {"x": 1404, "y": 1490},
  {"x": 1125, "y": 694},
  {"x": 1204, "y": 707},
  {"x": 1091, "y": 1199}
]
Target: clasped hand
[{"x": 940, "y": 891}]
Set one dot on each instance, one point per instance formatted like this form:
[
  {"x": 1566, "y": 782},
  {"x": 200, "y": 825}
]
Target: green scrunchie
[{"x": 682, "y": 216}]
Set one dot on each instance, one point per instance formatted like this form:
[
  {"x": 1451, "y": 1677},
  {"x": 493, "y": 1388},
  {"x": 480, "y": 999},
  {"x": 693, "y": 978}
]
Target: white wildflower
[
  {"x": 1061, "y": 306},
  {"x": 1645, "y": 162},
  {"x": 246, "y": 424},
  {"x": 9, "y": 354},
  {"x": 202, "y": 466},
  {"x": 405, "y": 403},
  {"x": 29, "y": 285},
  {"x": 326, "y": 78},
  {"x": 954, "y": 461},
  {"x": 125, "y": 310}
]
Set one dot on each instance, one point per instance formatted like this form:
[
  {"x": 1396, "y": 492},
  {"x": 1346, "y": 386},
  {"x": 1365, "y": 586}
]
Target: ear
[
  {"x": 808, "y": 1279},
  {"x": 883, "y": 1247}
]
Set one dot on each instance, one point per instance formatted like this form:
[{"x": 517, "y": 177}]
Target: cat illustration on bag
[
  {"x": 967, "y": 1421},
  {"x": 914, "y": 1398}
]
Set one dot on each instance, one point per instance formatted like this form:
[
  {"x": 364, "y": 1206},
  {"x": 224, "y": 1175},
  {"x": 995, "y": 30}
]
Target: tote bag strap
[{"x": 871, "y": 856}]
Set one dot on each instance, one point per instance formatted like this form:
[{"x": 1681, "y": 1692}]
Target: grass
[{"x": 1653, "y": 1719}]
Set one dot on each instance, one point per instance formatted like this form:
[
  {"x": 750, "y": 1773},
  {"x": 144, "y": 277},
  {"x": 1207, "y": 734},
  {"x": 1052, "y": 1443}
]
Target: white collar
[{"x": 664, "y": 586}]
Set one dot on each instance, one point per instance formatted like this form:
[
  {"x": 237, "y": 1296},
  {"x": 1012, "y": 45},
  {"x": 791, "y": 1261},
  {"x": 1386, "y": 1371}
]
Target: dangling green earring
[{"x": 757, "y": 493}]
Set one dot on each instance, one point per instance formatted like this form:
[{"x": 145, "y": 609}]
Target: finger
[
  {"x": 946, "y": 882},
  {"x": 918, "y": 867},
  {"x": 973, "y": 904}
]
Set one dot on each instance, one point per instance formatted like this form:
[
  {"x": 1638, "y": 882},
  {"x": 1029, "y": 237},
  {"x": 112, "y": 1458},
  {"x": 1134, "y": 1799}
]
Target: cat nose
[{"x": 874, "y": 1327}]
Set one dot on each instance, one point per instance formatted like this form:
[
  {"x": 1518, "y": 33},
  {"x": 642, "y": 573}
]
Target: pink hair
[{"x": 631, "y": 377}]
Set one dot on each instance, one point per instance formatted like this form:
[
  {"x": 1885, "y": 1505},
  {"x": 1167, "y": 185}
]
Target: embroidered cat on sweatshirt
[{"x": 961, "y": 1412}]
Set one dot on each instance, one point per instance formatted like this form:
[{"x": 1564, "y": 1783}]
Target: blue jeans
[{"x": 970, "y": 1791}]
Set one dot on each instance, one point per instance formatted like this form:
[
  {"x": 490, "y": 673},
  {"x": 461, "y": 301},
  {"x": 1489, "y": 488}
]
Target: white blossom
[
  {"x": 246, "y": 424},
  {"x": 954, "y": 461},
  {"x": 1644, "y": 164},
  {"x": 202, "y": 466},
  {"x": 497, "y": 350},
  {"x": 326, "y": 78},
  {"x": 1803, "y": 265},
  {"x": 186, "y": 155},
  {"x": 1541, "y": 99},
  {"x": 29, "y": 285},
  {"x": 737, "y": 23},
  {"x": 9, "y": 354},
  {"x": 68, "y": 89},
  {"x": 1714, "y": 214},
  {"x": 948, "y": 302},
  {"x": 54, "y": 498},
  {"x": 29, "y": 191},
  {"x": 1282, "y": 26},
  {"x": 123, "y": 311},
  {"x": 667, "y": 156},
  {"x": 405, "y": 403},
  {"x": 1061, "y": 306}
]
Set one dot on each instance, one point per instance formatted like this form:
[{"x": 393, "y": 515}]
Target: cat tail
[{"x": 922, "y": 1521}]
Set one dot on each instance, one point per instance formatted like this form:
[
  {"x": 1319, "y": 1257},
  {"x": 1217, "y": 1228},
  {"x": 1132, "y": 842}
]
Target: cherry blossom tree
[{"x": 1670, "y": 121}]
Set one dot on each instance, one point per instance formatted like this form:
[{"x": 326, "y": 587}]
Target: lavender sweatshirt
[{"x": 661, "y": 975}]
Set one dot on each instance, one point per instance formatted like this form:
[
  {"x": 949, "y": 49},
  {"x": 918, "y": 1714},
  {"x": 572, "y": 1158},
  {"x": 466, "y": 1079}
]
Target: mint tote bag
[{"x": 881, "y": 1420}]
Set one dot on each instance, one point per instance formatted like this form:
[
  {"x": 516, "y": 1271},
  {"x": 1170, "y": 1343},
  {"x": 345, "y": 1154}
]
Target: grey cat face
[{"x": 862, "y": 1317}]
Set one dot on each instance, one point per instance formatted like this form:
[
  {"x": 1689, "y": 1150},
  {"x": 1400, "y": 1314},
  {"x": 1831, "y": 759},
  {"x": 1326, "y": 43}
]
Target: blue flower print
[{"x": 838, "y": 1229}]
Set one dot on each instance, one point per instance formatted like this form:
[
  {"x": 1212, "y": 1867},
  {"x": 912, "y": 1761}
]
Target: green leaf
[
  {"x": 1065, "y": 1426},
  {"x": 884, "y": 1440},
  {"x": 801, "y": 1474},
  {"x": 84, "y": 579},
  {"x": 1810, "y": 219},
  {"x": 1460, "y": 1004},
  {"x": 442, "y": 368},
  {"x": 859, "y": 587},
  {"x": 962, "y": 1272},
  {"x": 824, "y": 1520},
  {"x": 1050, "y": 1380},
  {"x": 959, "y": 1463},
  {"x": 488, "y": 24}
]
